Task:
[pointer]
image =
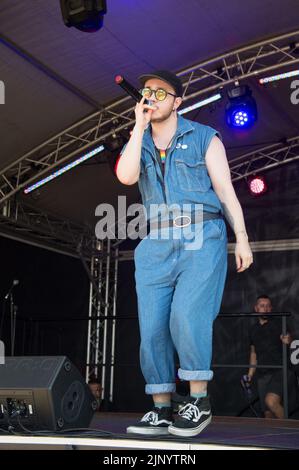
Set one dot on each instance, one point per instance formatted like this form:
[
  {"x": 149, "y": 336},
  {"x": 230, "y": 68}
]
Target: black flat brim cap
[{"x": 167, "y": 77}]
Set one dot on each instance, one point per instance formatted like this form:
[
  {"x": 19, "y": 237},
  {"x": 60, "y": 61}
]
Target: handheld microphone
[
  {"x": 246, "y": 384},
  {"x": 14, "y": 283},
  {"x": 132, "y": 91}
]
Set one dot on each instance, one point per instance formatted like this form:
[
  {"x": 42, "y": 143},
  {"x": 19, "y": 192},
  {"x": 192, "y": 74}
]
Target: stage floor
[{"x": 222, "y": 433}]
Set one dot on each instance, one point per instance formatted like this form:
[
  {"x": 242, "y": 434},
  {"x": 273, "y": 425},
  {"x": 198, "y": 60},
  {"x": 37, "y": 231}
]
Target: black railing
[{"x": 34, "y": 327}]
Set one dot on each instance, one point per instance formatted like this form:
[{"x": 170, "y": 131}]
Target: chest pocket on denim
[
  {"x": 147, "y": 180},
  {"x": 192, "y": 175}
]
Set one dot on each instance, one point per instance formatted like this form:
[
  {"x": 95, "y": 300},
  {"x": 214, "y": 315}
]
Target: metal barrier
[{"x": 34, "y": 327}]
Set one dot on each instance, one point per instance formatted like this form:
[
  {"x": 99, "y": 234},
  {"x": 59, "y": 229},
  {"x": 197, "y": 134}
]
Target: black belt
[{"x": 185, "y": 220}]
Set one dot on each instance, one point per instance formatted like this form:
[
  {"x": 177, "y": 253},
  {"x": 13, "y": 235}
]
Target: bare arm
[
  {"x": 128, "y": 167},
  {"x": 252, "y": 361},
  {"x": 287, "y": 339},
  {"x": 219, "y": 172}
]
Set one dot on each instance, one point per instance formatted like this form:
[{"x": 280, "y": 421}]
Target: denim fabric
[
  {"x": 179, "y": 291},
  {"x": 179, "y": 294},
  {"x": 186, "y": 179}
]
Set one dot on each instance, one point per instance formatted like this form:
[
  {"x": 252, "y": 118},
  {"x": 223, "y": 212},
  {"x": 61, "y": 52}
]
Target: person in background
[
  {"x": 266, "y": 348},
  {"x": 96, "y": 389}
]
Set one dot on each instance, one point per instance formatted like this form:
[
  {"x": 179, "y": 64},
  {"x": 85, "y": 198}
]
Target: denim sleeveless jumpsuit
[{"x": 179, "y": 291}]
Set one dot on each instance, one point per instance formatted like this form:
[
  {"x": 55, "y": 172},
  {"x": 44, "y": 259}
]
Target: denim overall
[{"x": 179, "y": 291}]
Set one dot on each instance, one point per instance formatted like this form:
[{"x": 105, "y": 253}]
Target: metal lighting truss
[
  {"x": 264, "y": 158},
  {"x": 26, "y": 223},
  {"x": 21, "y": 221},
  {"x": 200, "y": 79},
  {"x": 102, "y": 321}
]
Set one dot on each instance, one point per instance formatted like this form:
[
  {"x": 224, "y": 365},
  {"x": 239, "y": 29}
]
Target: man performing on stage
[{"x": 179, "y": 290}]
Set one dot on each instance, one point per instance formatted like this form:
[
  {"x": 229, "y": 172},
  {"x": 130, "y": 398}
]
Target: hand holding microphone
[
  {"x": 143, "y": 113},
  {"x": 246, "y": 383},
  {"x": 130, "y": 89},
  {"x": 143, "y": 108},
  {"x": 128, "y": 166}
]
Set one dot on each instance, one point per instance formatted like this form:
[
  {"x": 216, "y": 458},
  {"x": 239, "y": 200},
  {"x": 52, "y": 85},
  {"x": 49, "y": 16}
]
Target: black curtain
[{"x": 52, "y": 300}]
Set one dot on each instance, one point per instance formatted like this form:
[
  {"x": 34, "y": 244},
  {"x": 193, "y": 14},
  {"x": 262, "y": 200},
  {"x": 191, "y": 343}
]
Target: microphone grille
[{"x": 118, "y": 79}]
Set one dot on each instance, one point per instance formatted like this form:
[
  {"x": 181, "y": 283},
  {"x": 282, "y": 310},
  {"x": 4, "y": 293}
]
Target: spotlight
[
  {"x": 257, "y": 185},
  {"x": 85, "y": 15},
  {"x": 115, "y": 142},
  {"x": 241, "y": 111}
]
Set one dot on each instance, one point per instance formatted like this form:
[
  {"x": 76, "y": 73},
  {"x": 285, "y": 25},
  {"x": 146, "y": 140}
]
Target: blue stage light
[{"x": 241, "y": 111}]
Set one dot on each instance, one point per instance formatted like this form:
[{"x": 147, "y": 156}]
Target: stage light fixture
[
  {"x": 64, "y": 169},
  {"x": 241, "y": 111},
  {"x": 200, "y": 104},
  {"x": 280, "y": 76},
  {"x": 257, "y": 185},
  {"x": 85, "y": 15},
  {"x": 115, "y": 142}
]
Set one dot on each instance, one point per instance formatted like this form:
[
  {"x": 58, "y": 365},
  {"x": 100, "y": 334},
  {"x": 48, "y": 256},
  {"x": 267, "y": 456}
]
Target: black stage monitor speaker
[
  {"x": 85, "y": 15},
  {"x": 44, "y": 393}
]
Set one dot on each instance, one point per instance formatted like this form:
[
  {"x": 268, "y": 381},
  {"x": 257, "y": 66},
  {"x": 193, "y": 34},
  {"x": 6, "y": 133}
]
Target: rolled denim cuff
[
  {"x": 151, "y": 389},
  {"x": 195, "y": 374}
]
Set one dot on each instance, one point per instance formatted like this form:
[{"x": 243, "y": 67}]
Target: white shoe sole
[
  {"x": 187, "y": 432},
  {"x": 147, "y": 431}
]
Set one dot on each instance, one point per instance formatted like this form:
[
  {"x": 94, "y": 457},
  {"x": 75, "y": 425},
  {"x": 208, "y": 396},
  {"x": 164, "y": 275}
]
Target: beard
[{"x": 163, "y": 116}]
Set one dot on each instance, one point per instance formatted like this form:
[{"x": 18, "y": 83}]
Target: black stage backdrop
[{"x": 52, "y": 296}]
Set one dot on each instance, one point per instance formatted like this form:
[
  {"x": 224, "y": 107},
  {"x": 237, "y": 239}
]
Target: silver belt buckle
[{"x": 181, "y": 217}]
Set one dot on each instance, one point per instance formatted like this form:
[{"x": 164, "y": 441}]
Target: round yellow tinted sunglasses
[{"x": 160, "y": 93}]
